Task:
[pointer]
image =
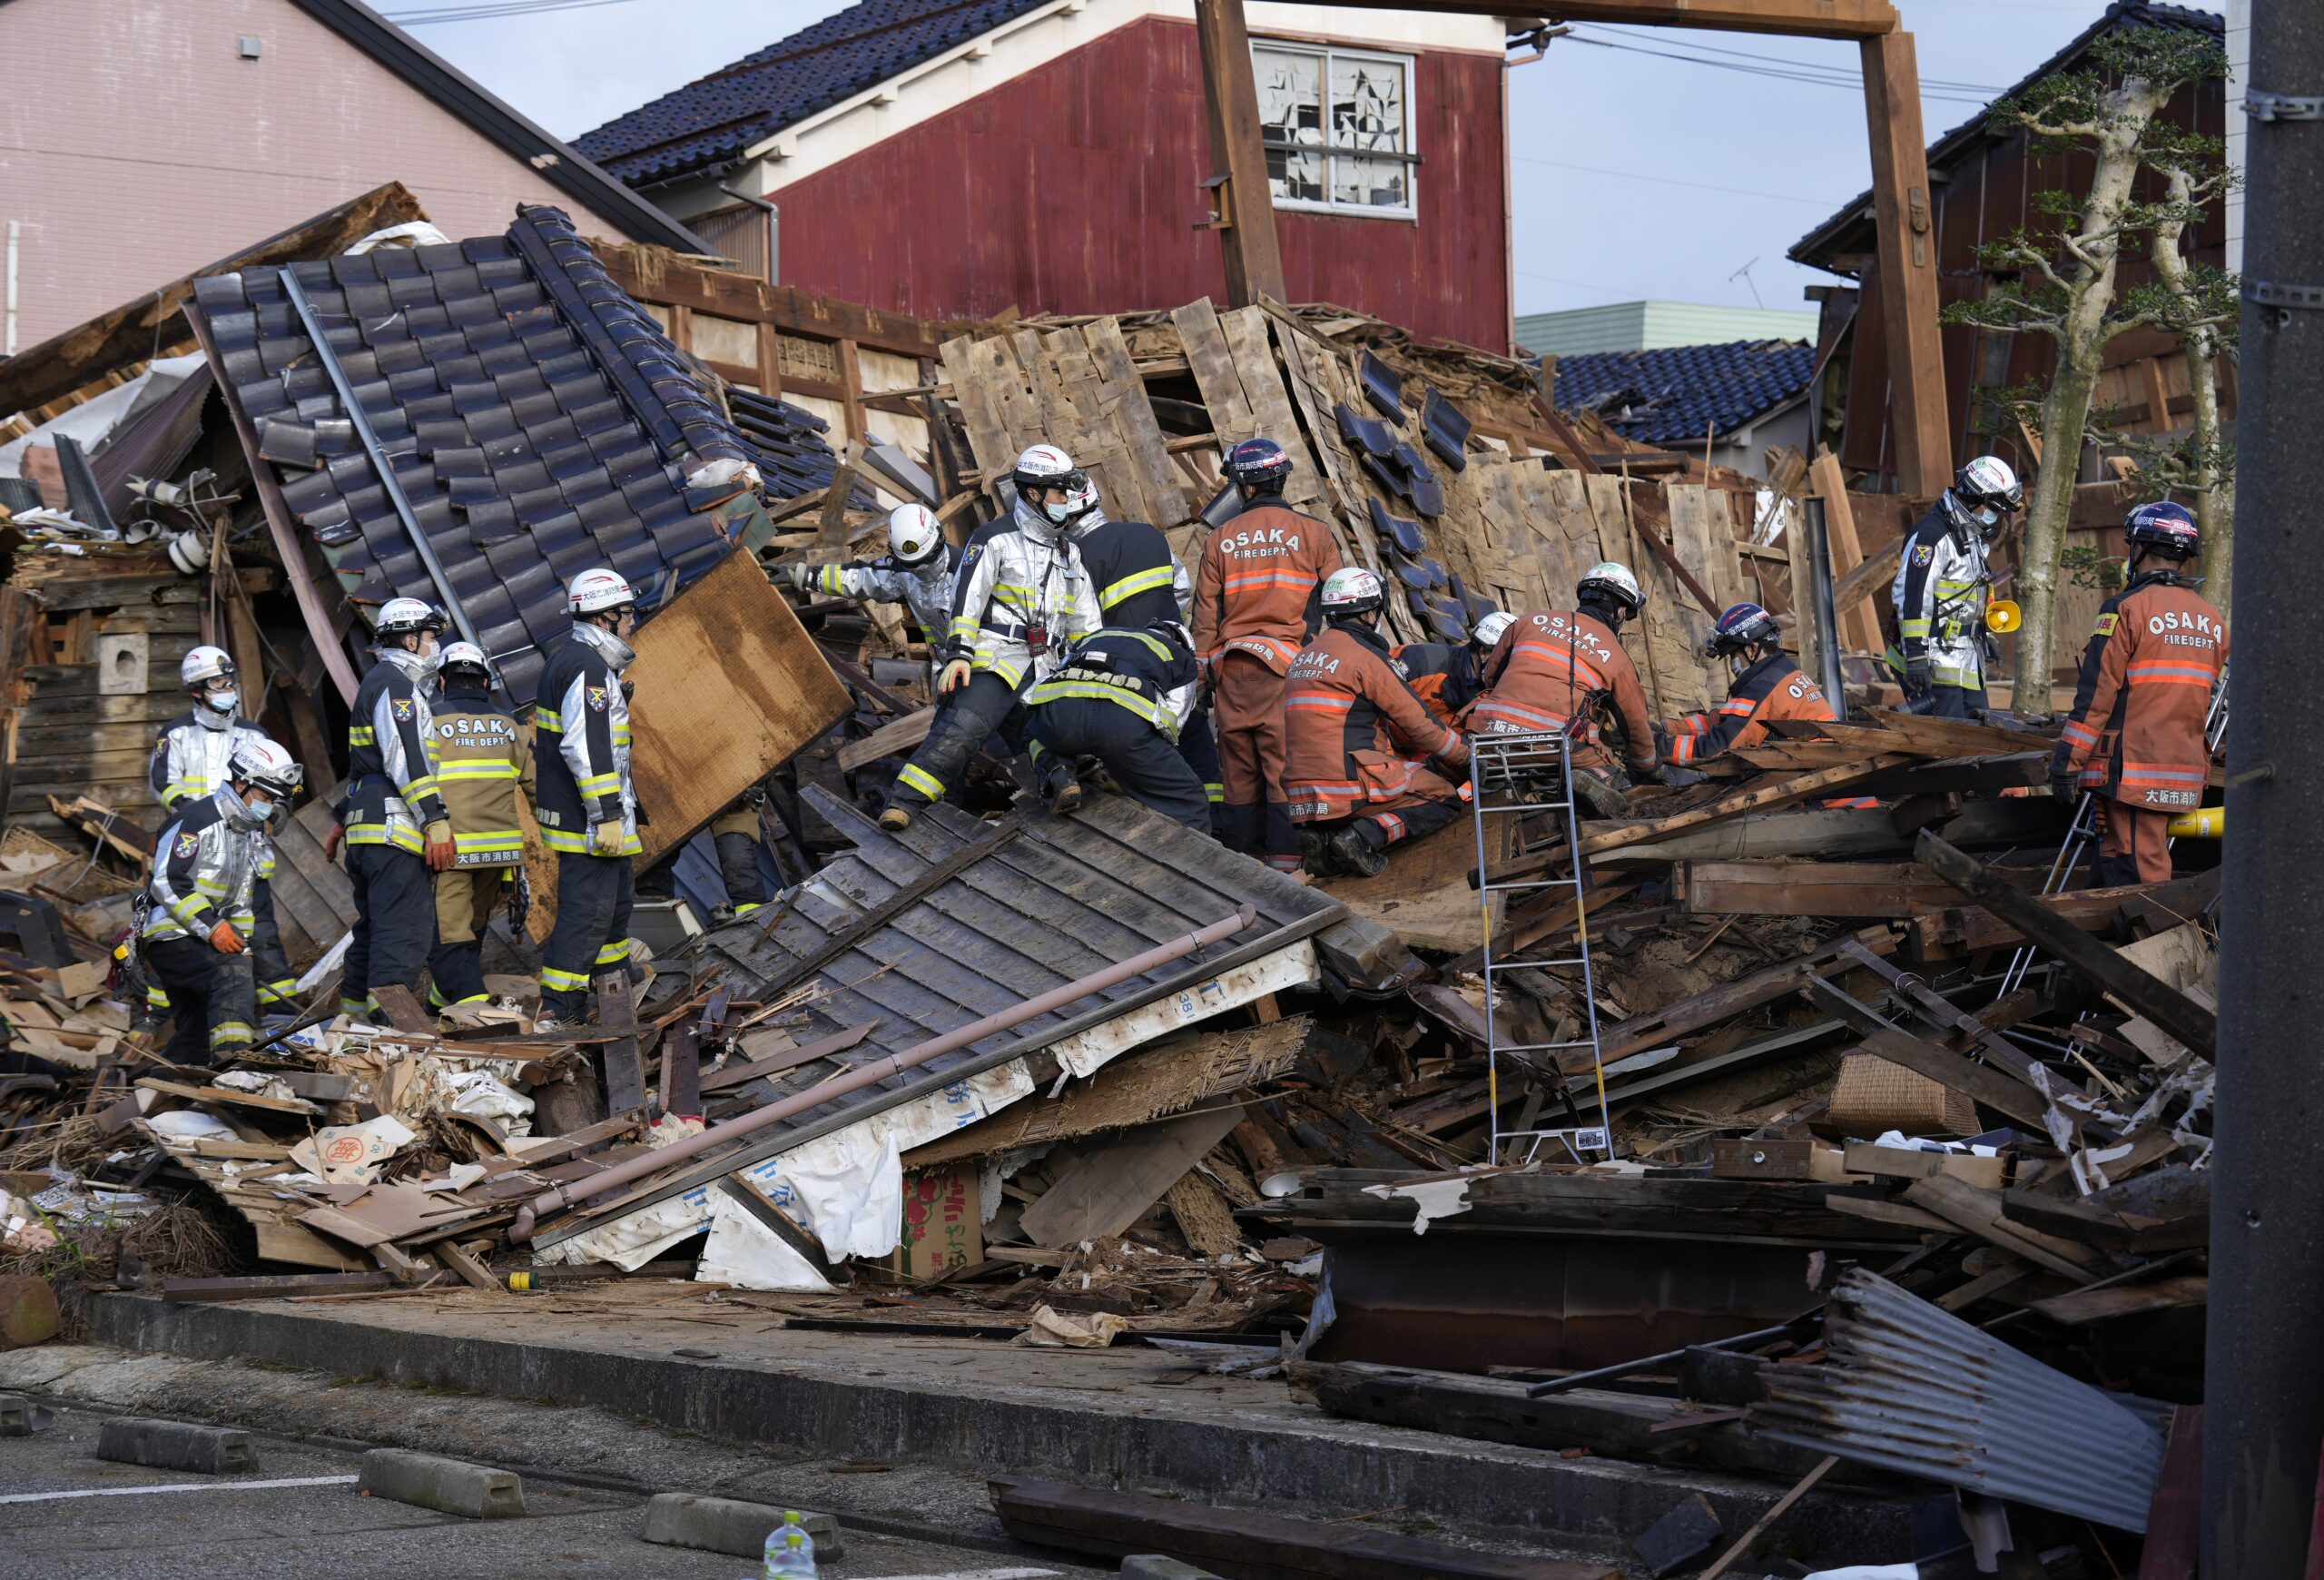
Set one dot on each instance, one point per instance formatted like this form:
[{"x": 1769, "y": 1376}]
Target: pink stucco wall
[{"x": 136, "y": 145}]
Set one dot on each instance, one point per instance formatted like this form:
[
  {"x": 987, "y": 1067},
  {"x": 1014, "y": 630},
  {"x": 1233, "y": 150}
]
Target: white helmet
[
  {"x": 202, "y": 665},
  {"x": 914, "y": 535},
  {"x": 1489, "y": 629},
  {"x": 263, "y": 766},
  {"x": 1351, "y": 590},
  {"x": 398, "y": 616},
  {"x": 1615, "y": 581},
  {"x": 466, "y": 655},
  {"x": 595, "y": 591},
  {"x": 1985, "y": 488},
  {"x": 1044, "y": 465}
]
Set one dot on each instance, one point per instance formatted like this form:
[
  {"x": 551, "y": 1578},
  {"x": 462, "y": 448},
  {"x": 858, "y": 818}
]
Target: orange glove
[
  {"x": 956, "y": 676},
  {"x": 441, "y": 852},
  {"x": 225, "y": 940},
  {"x": 331, "y": 842}
]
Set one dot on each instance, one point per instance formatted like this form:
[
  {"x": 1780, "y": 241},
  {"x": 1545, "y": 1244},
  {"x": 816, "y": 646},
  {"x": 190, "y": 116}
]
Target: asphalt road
[{"x": 65, "y": 1515}]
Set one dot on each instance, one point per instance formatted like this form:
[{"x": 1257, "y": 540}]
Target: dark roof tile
[{"x": 1675, "y": 393}]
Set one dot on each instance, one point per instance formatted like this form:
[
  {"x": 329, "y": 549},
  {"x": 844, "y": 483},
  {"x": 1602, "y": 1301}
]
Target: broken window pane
[
  {"x": 1291, "y": 113},
  {"x": 1344, "y": 106},
  {"x": 1367, "y": 109}
]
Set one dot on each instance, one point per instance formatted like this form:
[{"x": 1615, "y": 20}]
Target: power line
[
  {"x": 489, "y": 10},
  {"x": 1728, "y": 50},
  {"x": 1783, "y": 197},
  {"x": 1814, "y": 77}
]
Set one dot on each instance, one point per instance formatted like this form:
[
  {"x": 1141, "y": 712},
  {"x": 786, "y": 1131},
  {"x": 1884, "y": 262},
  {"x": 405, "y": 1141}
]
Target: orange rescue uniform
[
  {"x": 1544, "y": 672},
  {"x": 1359, "y": 737}
]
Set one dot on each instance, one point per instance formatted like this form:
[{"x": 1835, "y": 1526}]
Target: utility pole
[
  {"x": 2264, "y": 1363},
  {"x": 1243, "y": 202}
]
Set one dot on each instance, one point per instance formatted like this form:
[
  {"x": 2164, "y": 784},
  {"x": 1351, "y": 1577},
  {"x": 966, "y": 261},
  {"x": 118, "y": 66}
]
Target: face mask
[
  {"x": 259, "y": 806},
  {"x": 1986, "y": 517},
  {"x": 223, "y": 701}
]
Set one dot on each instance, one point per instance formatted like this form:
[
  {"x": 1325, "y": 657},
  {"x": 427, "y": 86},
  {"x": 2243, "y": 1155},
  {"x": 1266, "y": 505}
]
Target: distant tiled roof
[
  {"x": 1813, "y": 248},
  {"x": 1677, "y": 393},
  {"x": 538, "y": 420},
  {"x": 712, "y": 120}
]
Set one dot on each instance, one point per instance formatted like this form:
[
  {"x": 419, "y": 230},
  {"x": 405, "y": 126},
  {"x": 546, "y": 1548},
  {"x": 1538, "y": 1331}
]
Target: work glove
[
  {"x": 441, "y": 852},
  {"x": 225, "y": 940},
  {"x": 1647, "y": 773},
  {"x": 1679, "y": 778},
  {"x": 331, "y": 842},
  {"x": 2065, "y": 785},
  {"x": 1918, "y": 675},
  {"x": 606, "y": 838},
  {"x": 955, "y": 675},
  {"x": 799, "y": 575}
]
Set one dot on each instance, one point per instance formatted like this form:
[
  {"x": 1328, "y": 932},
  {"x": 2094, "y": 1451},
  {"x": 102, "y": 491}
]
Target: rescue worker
[
  {"x": 1764, "y": 684},
  {"x": 1141, "y": 582},
  {"x": 392, "y": 814},
  {"x": 1556, "y": 670},
  {"x": 916, "y": 572},
  {"x": 1443, "y": 675},
  {"x": 1257, "y": 593},
  {"x": 189, "y": 763},
  {"x": 1359, "y": 738},
  {"x": 2136, "y": 738},
  {"x": 589, "y": 803},
  {"x": 1025, "y": 596},
  {"x": 1942, "y": 588},
  {"x": 736, "y": 834},
  {"x": 1120, "y": 695},
  {"x": 195, "y": 938},
  {"x": 482, "y": 759}
]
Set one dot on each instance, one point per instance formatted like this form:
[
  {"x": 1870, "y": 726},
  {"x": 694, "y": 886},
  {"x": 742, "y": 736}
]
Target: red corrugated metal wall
[{"x": 1073, "y": 189}]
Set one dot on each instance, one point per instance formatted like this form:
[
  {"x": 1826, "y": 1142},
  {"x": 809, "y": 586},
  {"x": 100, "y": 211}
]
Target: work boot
[
  {"x": 895, "y": 820},
  {"x": 1358, "y": 855},
  {"x": 1062, "y": 790},
  {"x": 1313, "y": 857},
  {"x": 1601, "y": 798}
]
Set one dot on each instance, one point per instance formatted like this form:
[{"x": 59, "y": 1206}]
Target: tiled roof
[
  {"x": 1813, "y": 248},
  {"x": 538, "y": 420},
  {"x": 712, "y": 120},
  {"x": 1677, "y": 394}
]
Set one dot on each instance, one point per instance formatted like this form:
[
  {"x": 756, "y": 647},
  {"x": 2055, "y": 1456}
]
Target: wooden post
[
  {"x": 1246, "y": 204},
  {"x": 769, "y": 361},
  {"x": 1919, "y": 414},
  {"x": 851, "y": 384},
  {"x": 1859, "y": 626}
]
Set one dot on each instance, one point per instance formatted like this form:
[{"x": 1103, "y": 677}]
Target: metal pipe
[
  {"x": 1825, "y": 616},
  {"x": 574, "y": 1192},
  {"x": 377, "y": 456},
  {"x": 2263, "y": 1368},
  {"x": 1576, "y": 1380},
  {"x": 15, "y": 236}
]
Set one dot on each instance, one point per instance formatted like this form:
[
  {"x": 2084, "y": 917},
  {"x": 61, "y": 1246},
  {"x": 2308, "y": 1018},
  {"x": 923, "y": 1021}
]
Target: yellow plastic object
[
  {"x": 2002, "y": 616},
  {"x": 2205, "y": 823}
]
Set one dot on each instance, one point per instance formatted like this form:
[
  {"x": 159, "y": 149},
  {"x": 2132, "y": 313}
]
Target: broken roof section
[
  {"x": 537, "y": 418},
  {"x": 1674, "y": 393}
]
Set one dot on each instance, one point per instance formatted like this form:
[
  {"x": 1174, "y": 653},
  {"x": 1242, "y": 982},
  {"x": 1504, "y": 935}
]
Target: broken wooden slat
[
  {"x": 620, "y": 1061},
  {"x": 1111, "y": 1187}
]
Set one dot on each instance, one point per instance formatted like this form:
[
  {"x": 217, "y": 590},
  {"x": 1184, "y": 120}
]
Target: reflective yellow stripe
[
  {"x": 1914, "y": 628},
  {"x": 921, "y": 780},
  {"x": 557, "y": 981},
  {"x": 569, "y": 843},
  {"x": 229, "y": 1035},
  {"x": 421, "y": 789},
  {"x": 508, "y": 839},
  {"x": 482, "y": 768},
  {"x": 278, "y": 992},
  {"x": 831, "y": 580},
  {"x": 361, "y": 735},
  {"x": 601, "y": 784},
  {"x": 548, "y": 718},
  {"x": 1139, "y": 582},
  {"x": 614, "y": 954},
  {"x": 1057, "y": 690},
  {"x": 378, "y": 834}
]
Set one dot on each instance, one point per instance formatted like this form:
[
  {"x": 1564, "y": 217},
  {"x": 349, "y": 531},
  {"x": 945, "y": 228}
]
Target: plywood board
[
  {"x": 1702, "y": 533},
  {"x": 1112, "y": 1185},
  {"x": 728, "y": 685}
]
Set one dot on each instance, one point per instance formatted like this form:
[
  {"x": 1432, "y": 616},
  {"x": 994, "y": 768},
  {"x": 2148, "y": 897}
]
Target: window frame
[{"x": 1325, "y": 56}]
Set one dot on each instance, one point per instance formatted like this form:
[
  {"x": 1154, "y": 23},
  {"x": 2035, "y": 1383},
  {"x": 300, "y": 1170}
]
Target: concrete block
[
  {"x": 477, "y": 1492},
  {"x": 1155, "y": 1566},
  {"x": 725, "y": 1524},
  {"x": 177, "y": 1445}
]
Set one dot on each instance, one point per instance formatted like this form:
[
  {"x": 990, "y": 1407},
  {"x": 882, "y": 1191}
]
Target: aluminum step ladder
[
  {"x": 2083, "y": 834},
  {"x": 1521, "y": 776}
]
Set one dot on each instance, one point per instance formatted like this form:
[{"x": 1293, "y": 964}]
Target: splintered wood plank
[
  {"x": 1211, "y": 362},
  {"x": 1203, "y": 1216},
  {"x": 1111, "y": 1187},
  {"x": 974, "y": 369},
  {"x": 1131, "y": 416},
  {"x": 1246, "y": 332},
  {"x": 1702, "y": 533},
  {"x": 623, "y": 1066},
  {"x": 729, "y": 687},
  {"x": 1859, "y": 627}
]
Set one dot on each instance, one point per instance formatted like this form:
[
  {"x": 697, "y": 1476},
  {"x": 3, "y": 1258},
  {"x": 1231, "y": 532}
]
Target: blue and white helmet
[{"x": 2166, "y": 528}]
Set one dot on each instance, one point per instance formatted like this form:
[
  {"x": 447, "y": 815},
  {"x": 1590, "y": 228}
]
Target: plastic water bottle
[{"x": 789, "y": 1550}]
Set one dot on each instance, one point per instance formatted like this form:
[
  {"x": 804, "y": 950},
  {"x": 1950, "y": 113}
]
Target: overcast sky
[{"x": 1633, "y": 175}]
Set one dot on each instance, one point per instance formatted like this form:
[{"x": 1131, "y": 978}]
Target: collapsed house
[{"x": 1845, "y": 1108}]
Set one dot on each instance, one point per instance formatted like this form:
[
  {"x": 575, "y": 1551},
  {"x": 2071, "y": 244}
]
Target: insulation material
[{"x": 745, "y": 1253}]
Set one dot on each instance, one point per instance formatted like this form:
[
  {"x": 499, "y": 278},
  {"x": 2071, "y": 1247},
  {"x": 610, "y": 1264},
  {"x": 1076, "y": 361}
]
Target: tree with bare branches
[{"x": 2061, "y": 280}]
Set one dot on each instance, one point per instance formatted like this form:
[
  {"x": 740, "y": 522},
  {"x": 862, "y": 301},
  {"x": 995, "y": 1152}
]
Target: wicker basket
[{"x": 1872, "y": 1095}]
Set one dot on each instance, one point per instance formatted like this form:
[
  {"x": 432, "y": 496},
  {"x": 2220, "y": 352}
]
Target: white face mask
[
  {"x": 223, "y": 701},
  {"x": 259, "y": 806}
]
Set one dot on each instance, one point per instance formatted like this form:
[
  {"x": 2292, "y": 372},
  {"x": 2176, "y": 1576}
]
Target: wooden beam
[
  {"x": 1919, "y": 414},
  {"x": 2145, "y": 993},
  {"x": 1799, "y": 18},
  {"x": 1247, "y": 236},
  {"x": 653, "y": 275}
]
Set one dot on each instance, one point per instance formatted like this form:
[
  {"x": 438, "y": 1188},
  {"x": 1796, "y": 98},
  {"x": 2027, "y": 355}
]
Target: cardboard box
[{"x": 943, "y": 1230}]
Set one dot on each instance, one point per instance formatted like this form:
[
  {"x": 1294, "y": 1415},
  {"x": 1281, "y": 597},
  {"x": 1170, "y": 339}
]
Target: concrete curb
[
  {"x": 1588, "y": 1504},
  {"x": 1155, "y": 1566},
  {"x": 177, "y": 1445},
  {"x": 726, "y": 1524},
  {"x": 448, "y": 1485}
]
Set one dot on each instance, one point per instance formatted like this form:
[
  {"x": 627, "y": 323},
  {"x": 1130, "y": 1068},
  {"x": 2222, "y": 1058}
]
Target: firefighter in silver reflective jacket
[
  {"x": 189, "y": 762},
  {"x": 207, "y": 864},
  {"x": 1942, "y": 588},
  {"x": 588, "y": 803},
  {"x": 916, "y": 572}
]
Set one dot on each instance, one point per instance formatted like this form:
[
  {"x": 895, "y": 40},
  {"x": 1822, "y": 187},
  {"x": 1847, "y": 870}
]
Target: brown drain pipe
[{"x": 574, "y": 1192}]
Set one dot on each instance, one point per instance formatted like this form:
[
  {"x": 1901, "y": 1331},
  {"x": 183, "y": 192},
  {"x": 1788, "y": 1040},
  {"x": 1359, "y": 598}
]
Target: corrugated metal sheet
[
  {"x": 1914, "y": 1389},
  {"x": 537, "y": 418},
  {"x": 1063, "y": 898}
]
